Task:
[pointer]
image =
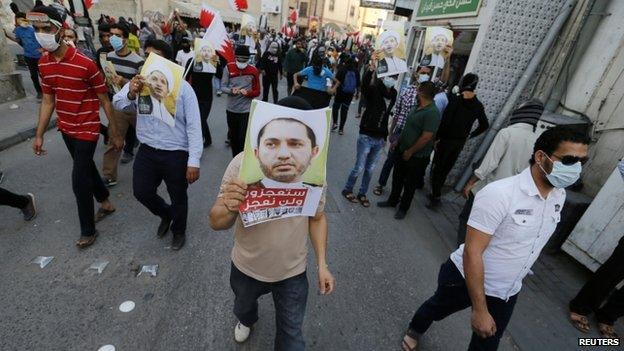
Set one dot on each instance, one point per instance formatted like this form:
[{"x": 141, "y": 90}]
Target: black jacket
[
  {"x": 375, "y": 118},
  {"x": 459, "y": 117}
]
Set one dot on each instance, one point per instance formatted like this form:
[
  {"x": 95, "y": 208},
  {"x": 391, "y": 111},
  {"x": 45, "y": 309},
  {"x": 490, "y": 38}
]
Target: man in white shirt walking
[
  {"x": 511, "y": 221},
  {"x": 506, "y": 157}
]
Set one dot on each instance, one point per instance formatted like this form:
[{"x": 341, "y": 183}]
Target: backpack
[{"x": 350, "y": 83}]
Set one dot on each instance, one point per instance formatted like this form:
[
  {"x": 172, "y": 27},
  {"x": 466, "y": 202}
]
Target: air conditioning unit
[
  {"x": 548, "y": 120},
  {"x": 271, "y": 6}
]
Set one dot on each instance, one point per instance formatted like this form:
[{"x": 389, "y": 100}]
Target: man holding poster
[{"x": 283, "y": 167}]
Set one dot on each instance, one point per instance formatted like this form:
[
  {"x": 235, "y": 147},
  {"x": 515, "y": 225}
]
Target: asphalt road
[{"x": 384, "y": 268}]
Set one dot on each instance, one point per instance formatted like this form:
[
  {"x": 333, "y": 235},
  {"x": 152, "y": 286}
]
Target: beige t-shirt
[{"x": 270, "y": 251}]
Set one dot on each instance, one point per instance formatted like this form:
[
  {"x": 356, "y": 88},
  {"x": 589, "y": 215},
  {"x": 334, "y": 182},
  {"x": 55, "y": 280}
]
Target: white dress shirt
[
  {"x": 520, "y": 222},
  {"x": 508, "y": 155}
]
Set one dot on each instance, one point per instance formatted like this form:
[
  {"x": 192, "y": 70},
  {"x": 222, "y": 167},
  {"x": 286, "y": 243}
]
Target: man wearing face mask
[
  {"x": 455, "y": 129},
  {"x": 127, "y": 65},
  {"x": 373, "y": 131},
  {"x": 72, "y": 85},
  {"x": 25, "y": 37},
  {"x": 241, "y": 82},
  {"x": 510, "y": 223},
  {"x": 413, "y": 151},
  {"x": 295, "y": 61},
  {"x": 406, "y": 102},
  {"x": 185, "y": 53},
  {"x": 270, "y": 66}
]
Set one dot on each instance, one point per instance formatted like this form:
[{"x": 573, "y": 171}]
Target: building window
[
  {"x": 352, "y": 11},
  {"x": 332, "y": 4},
  {"x": 303, "y": 9}
]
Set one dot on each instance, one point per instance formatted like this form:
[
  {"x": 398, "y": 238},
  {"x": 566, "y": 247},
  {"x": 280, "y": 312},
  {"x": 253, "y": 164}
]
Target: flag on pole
[
  {"x": 293, "y": 16},
  {"x": 238, "y": 5},
  {"x": 216, "y": 33},
  {"x": 90, "y": 3}
]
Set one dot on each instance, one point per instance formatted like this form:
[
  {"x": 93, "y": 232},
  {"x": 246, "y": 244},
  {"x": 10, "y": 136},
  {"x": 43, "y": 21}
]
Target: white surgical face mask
[
  {"x": 562, "y": 176},
  {"x": 389, "y": 82},
  {"x": 241, "y": 65},
  {"x": 423, "y": 78},
  {"x": 47, "y": 41}
]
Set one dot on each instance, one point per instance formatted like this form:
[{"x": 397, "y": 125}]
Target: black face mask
[{"x": 186, "y": 48}]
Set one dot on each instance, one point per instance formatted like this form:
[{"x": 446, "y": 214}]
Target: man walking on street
[
  {"x": 270, "y": 66},
  {"x": 241, "y": 82},
  {"x": 373, "y": 131},
  {"x": 511, "y": 221},
  {"x": 506, "y": 156},
  {"x": 25, "y": 203},
  {"x": 294, "y": 62},
  {"x": 127, "y": 65},
  {"x": 167, "y": 153},
  {"x": 600, "y": 294},
  {"x": 413, "y": 151},
  {"x": 455, "y": 129},
  {"x": 72, "y": 85},
  {"x": 25, "y": 37},
  {"x": 270, "y": 257}
]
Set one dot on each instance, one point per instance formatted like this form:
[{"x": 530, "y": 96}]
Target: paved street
[{"x": 383, "y": 268}]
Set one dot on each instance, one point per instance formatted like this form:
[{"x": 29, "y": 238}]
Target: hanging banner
[{"x": 434, "y": 9}]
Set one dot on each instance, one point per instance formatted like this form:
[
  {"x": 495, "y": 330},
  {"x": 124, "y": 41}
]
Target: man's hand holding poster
[
  {"x": 161, "y": 89},
  {"x": 284, "y": 162},
  {"x": 110, "y": 73}
]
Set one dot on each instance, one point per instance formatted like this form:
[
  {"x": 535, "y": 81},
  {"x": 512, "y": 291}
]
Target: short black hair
[
  {"x": 161, "y": 46},
  {"x": 427, "y": 90},
  {"x": 309, "y": 130},
  {"x": 550, "y": 140},
  {"x": 121, "y": 27},
  {"x": 104, "y": 27},
  {"x": 19, "y": 14}
]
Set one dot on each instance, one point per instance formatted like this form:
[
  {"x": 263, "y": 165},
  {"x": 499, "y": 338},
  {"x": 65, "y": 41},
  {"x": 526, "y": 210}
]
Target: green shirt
[{"x": 420, "y": 120}]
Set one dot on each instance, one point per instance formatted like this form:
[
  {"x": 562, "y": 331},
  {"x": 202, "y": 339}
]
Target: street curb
[{"x": 22, "y": 136}]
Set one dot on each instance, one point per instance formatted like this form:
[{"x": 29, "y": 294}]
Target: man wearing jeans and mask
[
  {"x": 373, "y": 131},
  {"x": 241, "y": 81},
  {"x": 511, "y": 221}
]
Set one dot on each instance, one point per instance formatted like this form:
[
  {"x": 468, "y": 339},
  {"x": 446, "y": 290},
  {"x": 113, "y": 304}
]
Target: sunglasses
[{"x": 569, "y": 160}]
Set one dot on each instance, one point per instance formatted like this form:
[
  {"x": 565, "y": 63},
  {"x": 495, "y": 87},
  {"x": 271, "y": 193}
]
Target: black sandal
[
  {"x": 349, "y": 196},
  {"x": 378, "y": 190},
  {"x": 363, "y": 200},
  {"x": 86, "y": 241},
  {"x": 103, "y": 213}
]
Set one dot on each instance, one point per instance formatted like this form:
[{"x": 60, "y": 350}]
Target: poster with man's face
[
  {"x": 390, "y": 46},
  {"x": 109, "y": 73},
  {"x": 162, "y": 87},
  {"x": 284, "y": 162},
  {"x": 436, "y": 41},
  {"x": 206, "y": 58}
]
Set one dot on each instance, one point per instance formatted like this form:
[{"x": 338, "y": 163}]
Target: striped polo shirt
[
  {"x": 126, "y": 66},
  {"x": 75, "y": 82}
]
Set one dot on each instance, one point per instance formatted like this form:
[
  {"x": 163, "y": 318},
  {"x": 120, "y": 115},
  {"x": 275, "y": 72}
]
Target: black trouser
[
  {"x": 204, "y": 112},
  {"x": 342, "y": 102},
  {"x": 269, "y": 81},
  {"x": 598, "y": 288},
  {"x": 464, "y": 215},
  {"x": 406, "y": 178},
  {"x": 33, "y": 68},
  {"x": 387, "y": 168},
  {"x": 8, "y": 198},
  {"x": 452, "y": 296},
  {"x": 290, "y": 81},
  {"x": 130, "y": 140},
  {"x": 290, "y": 297},
  {"x": 86, "y": 182},
  {"x": 237, "y": 125},
  {"x": 444, "y": 158},
  {"x": 151, "y": 167}
]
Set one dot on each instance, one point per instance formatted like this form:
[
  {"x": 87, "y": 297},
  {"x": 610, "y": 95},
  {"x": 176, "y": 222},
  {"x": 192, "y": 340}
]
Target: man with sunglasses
[
  {"x": 72, "y": 85},
  {"x": 511, "y": 221}
]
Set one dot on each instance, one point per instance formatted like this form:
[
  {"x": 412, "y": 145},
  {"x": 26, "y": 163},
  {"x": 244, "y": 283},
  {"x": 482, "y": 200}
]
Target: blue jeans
[
  {"x": 290, "y": 297},
  {"x": 368, "y": 153},
  {"x": 216, "y": 84},
  {"x": 452, "y": 296}
]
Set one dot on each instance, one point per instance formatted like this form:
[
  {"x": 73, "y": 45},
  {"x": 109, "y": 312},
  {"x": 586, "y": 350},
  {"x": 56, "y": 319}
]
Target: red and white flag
[
  {"x": 238, "y": 5},
  {"x": 89, "y": 3},
  {"x": 293, "y": 16},
  {"x": 216, "y": 33}
]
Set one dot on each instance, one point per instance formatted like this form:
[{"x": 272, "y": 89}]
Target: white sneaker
[{"x": 241, "y": 332}]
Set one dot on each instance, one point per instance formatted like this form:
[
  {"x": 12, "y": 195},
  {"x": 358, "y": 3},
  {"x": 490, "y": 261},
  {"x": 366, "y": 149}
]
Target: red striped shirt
[{"x": 75, "y": 82}]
